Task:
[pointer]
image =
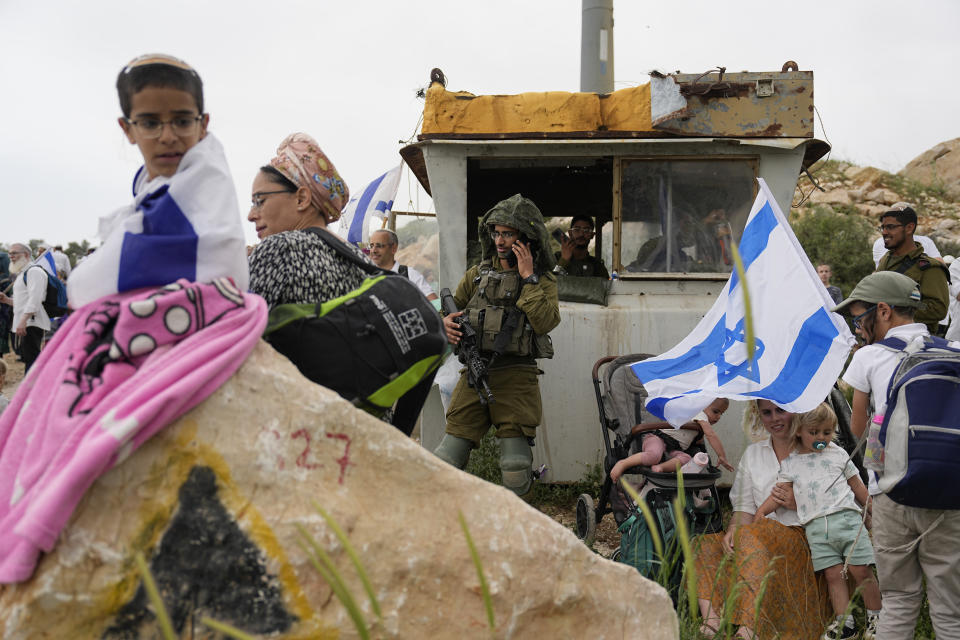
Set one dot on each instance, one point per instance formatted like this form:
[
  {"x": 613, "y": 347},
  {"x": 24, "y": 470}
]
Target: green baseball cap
[{"x": 896, "y": 289}]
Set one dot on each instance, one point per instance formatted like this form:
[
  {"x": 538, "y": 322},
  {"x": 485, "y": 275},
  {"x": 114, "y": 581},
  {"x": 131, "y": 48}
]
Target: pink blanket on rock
[{"x": 119, "y": 370}]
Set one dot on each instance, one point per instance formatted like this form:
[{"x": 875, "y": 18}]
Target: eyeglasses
[
  {"x": 858, "y": 320},
  {"x": 151, "y": 128},
  {"x": 888, "y": 227},
  {"x": 583, "y": 231},
  {"x": 258, "y": 198},
  {"x": 380, "y": 245},
  {"x": 506, "y": 235}
]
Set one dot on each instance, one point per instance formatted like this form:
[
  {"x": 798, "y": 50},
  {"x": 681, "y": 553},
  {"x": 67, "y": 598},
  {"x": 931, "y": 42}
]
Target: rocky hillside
[{"x": 930, "y": 182}]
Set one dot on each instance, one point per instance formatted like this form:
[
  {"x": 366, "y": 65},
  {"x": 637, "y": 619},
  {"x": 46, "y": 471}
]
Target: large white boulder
[{"x": 213, "y": 501}]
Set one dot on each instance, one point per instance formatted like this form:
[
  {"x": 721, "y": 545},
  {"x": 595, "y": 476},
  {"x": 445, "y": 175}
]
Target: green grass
[
  {"x": 485, "y": 464},
  {"x": 915, "y": 192}
]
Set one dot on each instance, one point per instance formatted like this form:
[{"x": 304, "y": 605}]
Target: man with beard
[
  {"x": 574, "y": 258},
  {"x": 905, "y": 255},
  {"x": 30, "y": 320},
  {"x": 510, "y": 299}
]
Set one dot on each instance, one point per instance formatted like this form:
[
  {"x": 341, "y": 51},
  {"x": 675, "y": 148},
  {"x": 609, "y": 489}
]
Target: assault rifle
[{"x": 468, "y": 351}]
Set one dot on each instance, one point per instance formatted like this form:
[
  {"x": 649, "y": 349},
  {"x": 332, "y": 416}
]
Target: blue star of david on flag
[{"x": 748, "y": 369}]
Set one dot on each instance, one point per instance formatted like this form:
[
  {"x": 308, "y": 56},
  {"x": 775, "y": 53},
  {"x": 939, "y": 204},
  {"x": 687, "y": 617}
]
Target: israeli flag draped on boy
[
  {"x": 800, "y": 346},
  {"x": 187, "y": 225},
  {"x": 374, "y": 200}
]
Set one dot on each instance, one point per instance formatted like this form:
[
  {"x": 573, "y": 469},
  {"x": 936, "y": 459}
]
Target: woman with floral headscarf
[{"x": 299, "y": 189}]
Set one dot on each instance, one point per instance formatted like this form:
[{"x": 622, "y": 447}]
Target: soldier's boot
[
  {"x": 454, "y": 450},
  {"x": 516, "y": 460}
]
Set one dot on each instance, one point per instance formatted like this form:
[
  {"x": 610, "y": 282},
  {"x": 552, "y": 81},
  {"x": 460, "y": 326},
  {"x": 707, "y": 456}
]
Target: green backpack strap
[{"x": 282, "y": 315}]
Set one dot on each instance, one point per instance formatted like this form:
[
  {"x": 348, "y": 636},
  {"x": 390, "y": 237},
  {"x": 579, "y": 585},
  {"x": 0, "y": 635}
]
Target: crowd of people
[{"x": 510, "y": 300}]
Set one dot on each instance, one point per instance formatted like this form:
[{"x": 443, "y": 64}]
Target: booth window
[{"x": 680, "y": 215}]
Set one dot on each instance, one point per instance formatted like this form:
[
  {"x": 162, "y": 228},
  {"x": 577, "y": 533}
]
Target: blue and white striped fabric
[
  {"x": 375, "y": 200},
  {"x": 46, "y": 261},
  {"x": 185, "y": 226},
  {"x": 800, "y": 345}
]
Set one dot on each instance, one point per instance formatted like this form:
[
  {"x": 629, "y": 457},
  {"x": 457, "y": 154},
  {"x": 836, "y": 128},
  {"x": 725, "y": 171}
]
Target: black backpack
[{"x": 371, "y": 345}]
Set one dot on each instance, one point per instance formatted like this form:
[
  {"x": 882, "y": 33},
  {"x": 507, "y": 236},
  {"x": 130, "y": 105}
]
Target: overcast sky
[{"x": 347, "y": 73}]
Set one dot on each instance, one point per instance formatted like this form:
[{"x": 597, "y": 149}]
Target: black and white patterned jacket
[{"x": 297, "y": 267}]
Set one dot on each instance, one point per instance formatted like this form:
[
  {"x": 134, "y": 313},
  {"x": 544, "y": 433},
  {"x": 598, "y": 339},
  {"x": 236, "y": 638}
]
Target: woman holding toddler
[{"x": 772, "y": 559}]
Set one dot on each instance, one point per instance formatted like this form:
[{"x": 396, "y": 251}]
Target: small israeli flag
[
  {"x": 46, "y": 261},
  {"x": 800, "y": 345},
  {"x": 375, "y": 200}
]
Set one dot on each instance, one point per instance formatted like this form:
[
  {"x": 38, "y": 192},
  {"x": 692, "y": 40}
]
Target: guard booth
[{"x": 668, "y": 172}]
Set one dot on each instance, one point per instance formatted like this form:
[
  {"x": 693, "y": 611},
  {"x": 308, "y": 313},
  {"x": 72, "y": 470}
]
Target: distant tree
[
  {"x": 841, "y": 238},
  {"x": 76, "y": 251},
  {"x": 35, "y": 243}
]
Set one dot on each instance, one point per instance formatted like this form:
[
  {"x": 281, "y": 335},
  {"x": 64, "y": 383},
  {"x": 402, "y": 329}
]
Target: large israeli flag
[
  {"x": 184, "y": 226},
  {"x": 375, "y": 200},
  {"x": 800, "y": 345}
]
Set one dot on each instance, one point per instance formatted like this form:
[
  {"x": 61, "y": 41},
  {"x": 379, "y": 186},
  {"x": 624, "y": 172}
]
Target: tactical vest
[{"x": 493, "y": 313}]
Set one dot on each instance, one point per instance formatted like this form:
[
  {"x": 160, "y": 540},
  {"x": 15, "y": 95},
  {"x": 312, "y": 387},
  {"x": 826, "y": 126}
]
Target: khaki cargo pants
[{"x": 515, "y": 411}]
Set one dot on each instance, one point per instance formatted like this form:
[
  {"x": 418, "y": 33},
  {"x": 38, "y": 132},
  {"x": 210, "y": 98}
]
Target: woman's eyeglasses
[{"x": 258, "y": 198}]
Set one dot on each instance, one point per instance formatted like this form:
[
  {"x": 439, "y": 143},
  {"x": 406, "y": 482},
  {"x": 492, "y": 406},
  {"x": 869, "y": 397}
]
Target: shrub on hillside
[{"x": 842, "y": 238}]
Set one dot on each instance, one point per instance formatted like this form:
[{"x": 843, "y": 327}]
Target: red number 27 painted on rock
[{"x": 303, "y": 460}]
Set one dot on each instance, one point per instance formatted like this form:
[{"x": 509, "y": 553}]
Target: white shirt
[
  {"x": 685, "y": 437},
  {"x": 928, "y": 248},
  {"x": 62, "y": 261},
  {"x": 416, "y": 278},
  {"x": 953, "y": 333},
  {"x": 28, "y": 298},
  {"x": 817, "y": 486},
  {"x": 872, "y": 365},
  {"x": 756, "y": 475}
]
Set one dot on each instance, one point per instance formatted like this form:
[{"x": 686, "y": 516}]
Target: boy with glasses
[
  {"x": 574, "y": 258},
  {"x": 184, "y": 221},
  {"x": 905, "y": 255}
]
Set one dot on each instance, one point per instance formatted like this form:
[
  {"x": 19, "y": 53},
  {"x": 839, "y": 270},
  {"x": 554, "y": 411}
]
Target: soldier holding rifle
[{"x": 510, "y": 303}]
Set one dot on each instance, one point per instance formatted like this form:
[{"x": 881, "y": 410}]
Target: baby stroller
[{"x": 620, "y": 400}]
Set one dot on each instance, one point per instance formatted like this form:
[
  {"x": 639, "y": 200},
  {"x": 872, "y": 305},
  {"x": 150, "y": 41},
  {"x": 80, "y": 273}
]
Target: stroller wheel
[{"x": 586, "y": 518}]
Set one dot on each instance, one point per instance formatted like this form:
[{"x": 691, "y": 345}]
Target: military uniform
[
  {"x": 511, "y": 316},
  {"x": 590, "y": 266},
  {"x": 516, "y": 410},
  {"x": 933, "y": 278}
]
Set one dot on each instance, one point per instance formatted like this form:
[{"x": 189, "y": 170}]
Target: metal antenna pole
[{"x": 596, "y": 46}]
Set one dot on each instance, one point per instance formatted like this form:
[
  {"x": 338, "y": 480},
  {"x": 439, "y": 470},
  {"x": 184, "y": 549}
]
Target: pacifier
[{"x": 819, "y": 445}]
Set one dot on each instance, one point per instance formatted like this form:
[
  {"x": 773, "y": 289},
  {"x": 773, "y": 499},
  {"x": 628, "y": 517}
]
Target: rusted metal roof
[{"x": 713, "y": 104}]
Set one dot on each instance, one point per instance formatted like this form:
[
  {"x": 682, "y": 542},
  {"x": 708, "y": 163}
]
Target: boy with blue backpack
[{"x": 912, "y": 383}]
